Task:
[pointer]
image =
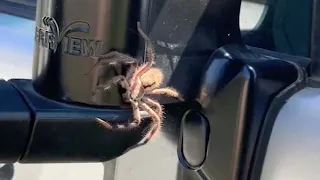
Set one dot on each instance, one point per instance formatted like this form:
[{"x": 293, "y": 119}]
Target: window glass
[{"x": 279, "y": 25}]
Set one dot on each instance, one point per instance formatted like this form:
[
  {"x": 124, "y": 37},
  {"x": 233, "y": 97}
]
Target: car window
[{"x": 278, "y": 25}]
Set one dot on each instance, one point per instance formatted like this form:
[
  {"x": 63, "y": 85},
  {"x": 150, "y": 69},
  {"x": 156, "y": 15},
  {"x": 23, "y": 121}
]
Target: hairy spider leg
[
  {"x": 130, "y": 73},
  {"x": 130, "y": 125},
  {"x": 120, "y": 80},
  {"x": 136, "y": 114},
  {"x": 156, "y": 105},
  {"x": 104, "y": 123},
  {"x": 155, "y": 125},
  {"x": 120, "y": 57},
  {"x": 136, "y": 84},
  {"x": 150, "y": 53},
  {"x": 168, "y": 91},
  {"x": 113, "y": 58}
]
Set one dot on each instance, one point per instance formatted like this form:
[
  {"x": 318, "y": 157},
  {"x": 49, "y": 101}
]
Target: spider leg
[
  {"x": 150, "y": 55},
  {"x": 103, "y": 123},
  {"x": 168, "y": 91},
  {"x": 120, "y": 80},
  {"x": 119, "y": 57},
  {"x": 136, "y": 118},
  {"x": 141, "y": 70},
  {"x": 136, "y": 113},
  {"x": 156, "y": 124},
  {"x": 156, "y": 105},
  {"x": 130, "y": 125},
  {"x": 130, "y": 72},
  {"x": 113, "y": 58}
]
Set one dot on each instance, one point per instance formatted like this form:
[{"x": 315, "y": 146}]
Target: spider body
[{"x": 140, "y": 82}]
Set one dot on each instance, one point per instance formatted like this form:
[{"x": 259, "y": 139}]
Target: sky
[
  {"x": 16, "y": 47},
  {"x": 16, "y": 56}
]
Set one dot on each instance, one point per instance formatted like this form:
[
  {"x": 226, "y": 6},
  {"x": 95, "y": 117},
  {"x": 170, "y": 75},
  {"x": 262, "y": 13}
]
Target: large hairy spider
[{"x": 139, "y": 82}]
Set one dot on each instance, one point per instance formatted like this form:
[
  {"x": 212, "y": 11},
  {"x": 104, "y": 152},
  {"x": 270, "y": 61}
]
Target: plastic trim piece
[
  {"x": 14, "y": 123},
  {"x": 193, "y": 143},
  {"x": 262, "y": 147},
  {"x": 69, "y": 133},
  {"x": 237, "y": 89}
]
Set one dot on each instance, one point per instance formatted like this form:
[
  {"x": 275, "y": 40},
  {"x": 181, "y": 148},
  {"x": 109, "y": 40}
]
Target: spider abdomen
[{"x": 152, "y": 79}]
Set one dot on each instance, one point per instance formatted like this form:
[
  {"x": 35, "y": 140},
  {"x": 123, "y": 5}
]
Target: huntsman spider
[{"x": 139, "y": 82}]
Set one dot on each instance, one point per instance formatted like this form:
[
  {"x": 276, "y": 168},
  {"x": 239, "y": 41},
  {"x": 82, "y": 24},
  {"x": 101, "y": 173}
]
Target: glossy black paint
[
  {"x": 217, "y": 26},
  {"x": 276, "y": 105},
  {"x": 307, "y": 76},
  {"x": 15, "y": 121},
  {"x": 69, "y": 133},
  {"x": 237, "y": 90},
  {"x": 224, "y": 110},
  {"x": 241, "y": 92},
  {"x": 62, "y": 76},
  {"x": 36, "y": 129}
]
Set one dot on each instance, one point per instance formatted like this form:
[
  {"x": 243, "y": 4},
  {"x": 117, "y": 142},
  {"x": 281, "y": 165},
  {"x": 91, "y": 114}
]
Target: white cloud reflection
[{"x": 16, "y": 47}]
